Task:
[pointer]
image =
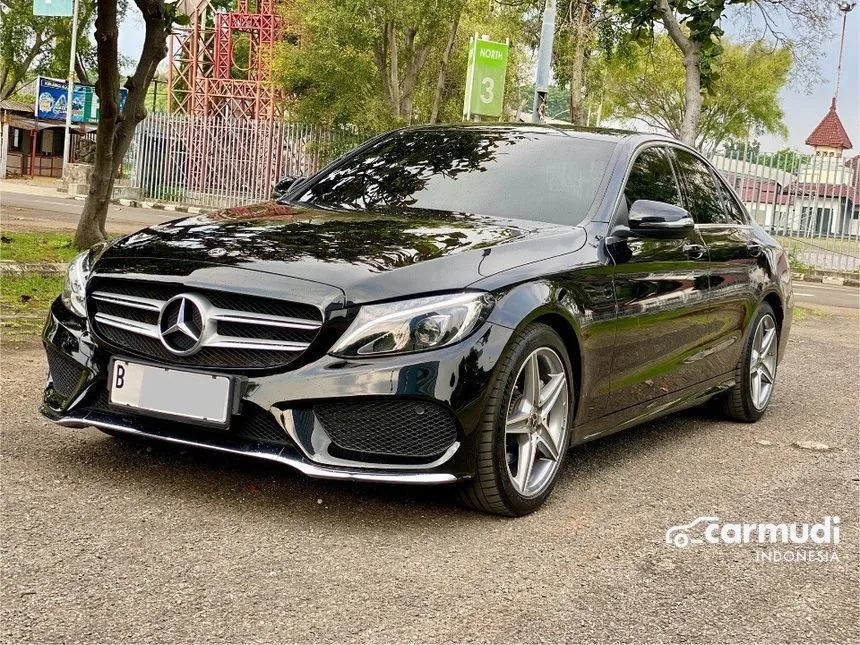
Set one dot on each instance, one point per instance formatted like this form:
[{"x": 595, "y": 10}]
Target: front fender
[{"x": 580, "y": 306}]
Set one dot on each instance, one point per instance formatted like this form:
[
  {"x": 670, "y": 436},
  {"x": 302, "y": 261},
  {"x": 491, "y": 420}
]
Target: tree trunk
[
  {"x": 115, "y": 132},
  {"x": 393, "y": 63},
  {"x": 581, "y": 39},
  {"x": 692, "y": 52},
  {"x": 443, "y": 69},
  {"x": 417, "y": 58},
  {"x": 153, "y": 52},
  {"x": 91, "y": 227},
  {"x": 692, "y": 95}
]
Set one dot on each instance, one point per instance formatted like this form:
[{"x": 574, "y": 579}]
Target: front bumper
[{"x": 277, "y": 419}]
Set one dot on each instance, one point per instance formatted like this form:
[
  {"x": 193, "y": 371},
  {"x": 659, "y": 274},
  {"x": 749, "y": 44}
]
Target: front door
[{"x": 661, "y": 290}]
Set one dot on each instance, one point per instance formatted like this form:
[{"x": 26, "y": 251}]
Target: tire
[
  {"x": 512, "y": 428},
  {"x": 747, "y": 400}
]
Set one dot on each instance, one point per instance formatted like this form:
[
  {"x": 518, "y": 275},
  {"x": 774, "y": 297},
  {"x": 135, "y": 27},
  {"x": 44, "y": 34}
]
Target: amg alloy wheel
[
  {"x": 524, "y": 436},
  {"x": 536, "y": 423},
  {"x": 763, "y": 362},
  {"x": 755, "y": 375}
]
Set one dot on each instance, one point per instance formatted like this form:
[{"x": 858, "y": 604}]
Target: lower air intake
[
  {"x": 66, "y": 373},
  {"x": 388, "y": 429}
]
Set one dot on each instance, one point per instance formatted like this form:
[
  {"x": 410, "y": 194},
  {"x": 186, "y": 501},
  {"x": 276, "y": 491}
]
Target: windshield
[{"x": 543, "y": 175}]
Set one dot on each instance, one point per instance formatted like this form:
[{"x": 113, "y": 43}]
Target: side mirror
[
  {"x": 657, "y": 219},
  {"x": 283, "y": 185}
]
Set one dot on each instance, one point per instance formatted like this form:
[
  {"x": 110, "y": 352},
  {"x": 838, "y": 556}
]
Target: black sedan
[{"x": 442, "y": 305}]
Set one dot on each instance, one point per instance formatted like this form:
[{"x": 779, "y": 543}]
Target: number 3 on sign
[{"x": 486, "y": 95}]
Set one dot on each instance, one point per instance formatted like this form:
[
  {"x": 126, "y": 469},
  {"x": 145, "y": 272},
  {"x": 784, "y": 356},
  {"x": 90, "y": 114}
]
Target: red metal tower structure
[
  {"x": 203, "y": 76},
  {"x": 228, "y": 141}
]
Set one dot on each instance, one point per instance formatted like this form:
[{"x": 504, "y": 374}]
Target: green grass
[
  {"x": 24, "y": 303},
  {"x": 804, "y": 313},
  {"x": 37, "y": 247}
]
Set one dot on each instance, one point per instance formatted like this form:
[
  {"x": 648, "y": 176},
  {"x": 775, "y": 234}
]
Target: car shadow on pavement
[{"x": 202, "y": 477}]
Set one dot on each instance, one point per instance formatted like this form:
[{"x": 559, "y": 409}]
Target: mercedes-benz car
[{"x": 442, "y": 305}]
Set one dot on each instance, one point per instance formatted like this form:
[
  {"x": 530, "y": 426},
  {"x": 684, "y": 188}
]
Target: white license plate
[{"x": 205, "y": 398}]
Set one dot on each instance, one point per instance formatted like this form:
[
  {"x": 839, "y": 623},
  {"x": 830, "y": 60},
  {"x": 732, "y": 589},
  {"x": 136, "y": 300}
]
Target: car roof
[{"x": 576, "y": 131}]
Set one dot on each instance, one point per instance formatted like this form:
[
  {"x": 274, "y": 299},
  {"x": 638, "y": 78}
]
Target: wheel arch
[
  {"x": 551, "y": 305},
  {"x": 775, "y": 303}
]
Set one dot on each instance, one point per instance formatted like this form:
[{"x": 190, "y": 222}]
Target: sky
[{"x": 802, "y": 111}]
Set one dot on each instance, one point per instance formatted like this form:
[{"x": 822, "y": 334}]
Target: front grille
[
  {"x": 66, "y": 373},
  {"x": 385, "y": 429},
  {"x": 240, "y": 332},
  {"x": 253, "y": 424}
]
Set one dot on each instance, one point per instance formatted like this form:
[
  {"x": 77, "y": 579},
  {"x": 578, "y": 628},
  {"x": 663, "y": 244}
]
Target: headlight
[
  {"x": 414, "y": 325},
  {"x": 74, "y": 288}
]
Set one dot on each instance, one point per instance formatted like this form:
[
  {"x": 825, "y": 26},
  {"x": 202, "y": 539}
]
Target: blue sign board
[
  {"x": 57, "y": 8},
  {"x": 51, "y": 98}
]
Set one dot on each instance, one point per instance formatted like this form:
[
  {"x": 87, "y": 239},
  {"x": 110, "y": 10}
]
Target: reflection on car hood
[{"x": 370, "y": 256}]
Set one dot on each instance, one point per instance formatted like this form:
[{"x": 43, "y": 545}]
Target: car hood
[{"x": 370, "y": 256}]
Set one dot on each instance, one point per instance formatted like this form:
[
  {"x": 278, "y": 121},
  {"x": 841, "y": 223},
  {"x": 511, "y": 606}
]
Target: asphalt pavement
[
  {"x": 815, "y": 294},
  {"x": 106, "y": 540},
  {"x": 40, "y": 212}
]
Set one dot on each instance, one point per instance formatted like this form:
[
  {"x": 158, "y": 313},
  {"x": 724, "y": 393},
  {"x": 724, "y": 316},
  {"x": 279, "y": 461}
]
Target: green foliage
[
  {"x": 647, "y": 83},
  {"x": 339, "y": 69},
  {"x": 786, "y": 159},
  {"x": 33, "y": 45},
  {"x": 700, "y": 18}
]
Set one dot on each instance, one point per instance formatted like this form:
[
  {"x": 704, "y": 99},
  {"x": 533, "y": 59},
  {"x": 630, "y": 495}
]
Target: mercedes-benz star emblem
[{"x": 181, "y": 324}]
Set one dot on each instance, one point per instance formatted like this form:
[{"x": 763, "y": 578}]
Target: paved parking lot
[{"x": 107, "y": 540}]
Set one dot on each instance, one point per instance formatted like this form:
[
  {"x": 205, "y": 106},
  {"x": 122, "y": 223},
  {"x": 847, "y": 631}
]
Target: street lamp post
[
  {"x": 845, "y": 6},
  {"x": 67, "y": 143},
  {"x": 547, "y": 35}
]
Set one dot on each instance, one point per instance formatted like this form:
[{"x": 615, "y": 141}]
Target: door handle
[
  {"x": 754, "y": 249},
  {"x": 694, "y": 251}
]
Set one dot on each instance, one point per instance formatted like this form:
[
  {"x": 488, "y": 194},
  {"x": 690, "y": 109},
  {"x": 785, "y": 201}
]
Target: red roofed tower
[{"x": 829, "y": 137}]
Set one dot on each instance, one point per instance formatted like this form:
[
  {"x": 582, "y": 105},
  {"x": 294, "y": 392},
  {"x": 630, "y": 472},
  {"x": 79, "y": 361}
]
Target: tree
[
  {"x": 694, "y": 28},
  {"x": 32, "y": 45},
  {"x": 116, "y": 130},
  {"x": 648, "y": 83},
  {"x": 375, "y": 64}
]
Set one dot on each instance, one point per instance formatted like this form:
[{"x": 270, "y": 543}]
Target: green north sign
[{"x": 485, "y": 78}]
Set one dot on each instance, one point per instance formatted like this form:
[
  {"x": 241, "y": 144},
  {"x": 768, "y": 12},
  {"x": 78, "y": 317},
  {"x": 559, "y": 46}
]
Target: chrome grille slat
[
  {"x": 251, "y": 318},
  {"x": 233, "y": 342},
  {"x": 150, "y": 304},
  {"x": 135, "y": 327},
  {"x": 241, "y": 331}
]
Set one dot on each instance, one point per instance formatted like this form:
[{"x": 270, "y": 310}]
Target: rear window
[{"x": 547, "y": 176}]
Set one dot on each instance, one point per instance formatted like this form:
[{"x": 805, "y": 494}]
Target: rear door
[
  {"x": 661, "y": 289},
  {"x": 734, "y": 252}
]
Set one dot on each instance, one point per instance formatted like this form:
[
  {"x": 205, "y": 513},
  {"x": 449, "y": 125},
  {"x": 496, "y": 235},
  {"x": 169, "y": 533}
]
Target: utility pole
[
  {"x": 67, "y": 143},
  {"x": 845, "y": 6},
  {"x": 547, "y": 35}
]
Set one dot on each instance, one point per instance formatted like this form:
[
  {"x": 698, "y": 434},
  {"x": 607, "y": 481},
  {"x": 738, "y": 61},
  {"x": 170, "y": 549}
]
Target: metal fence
[
  {"x": 220, "y": 162},
  {"x": 808, "y": 202}
]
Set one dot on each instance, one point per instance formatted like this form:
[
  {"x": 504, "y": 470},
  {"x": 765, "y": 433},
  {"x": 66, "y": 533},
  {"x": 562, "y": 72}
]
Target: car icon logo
[{"x": 680, "y": 536}]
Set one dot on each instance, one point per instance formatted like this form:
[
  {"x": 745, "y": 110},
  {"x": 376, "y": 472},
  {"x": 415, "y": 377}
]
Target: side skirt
[{"x": 653, "y": 409}]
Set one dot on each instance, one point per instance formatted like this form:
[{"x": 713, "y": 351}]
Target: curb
[
  {"x": 178, "y": 208},
  {"x": 42, "y": 268},
  {"x": 133, "y": 203}
]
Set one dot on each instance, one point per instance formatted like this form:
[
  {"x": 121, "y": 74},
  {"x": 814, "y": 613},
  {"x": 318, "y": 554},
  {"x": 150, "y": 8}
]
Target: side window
[
  {"x": 730, "y": 204},
  {"x": 651, "y": 177},
  {"x": 700, "y": 190}
]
